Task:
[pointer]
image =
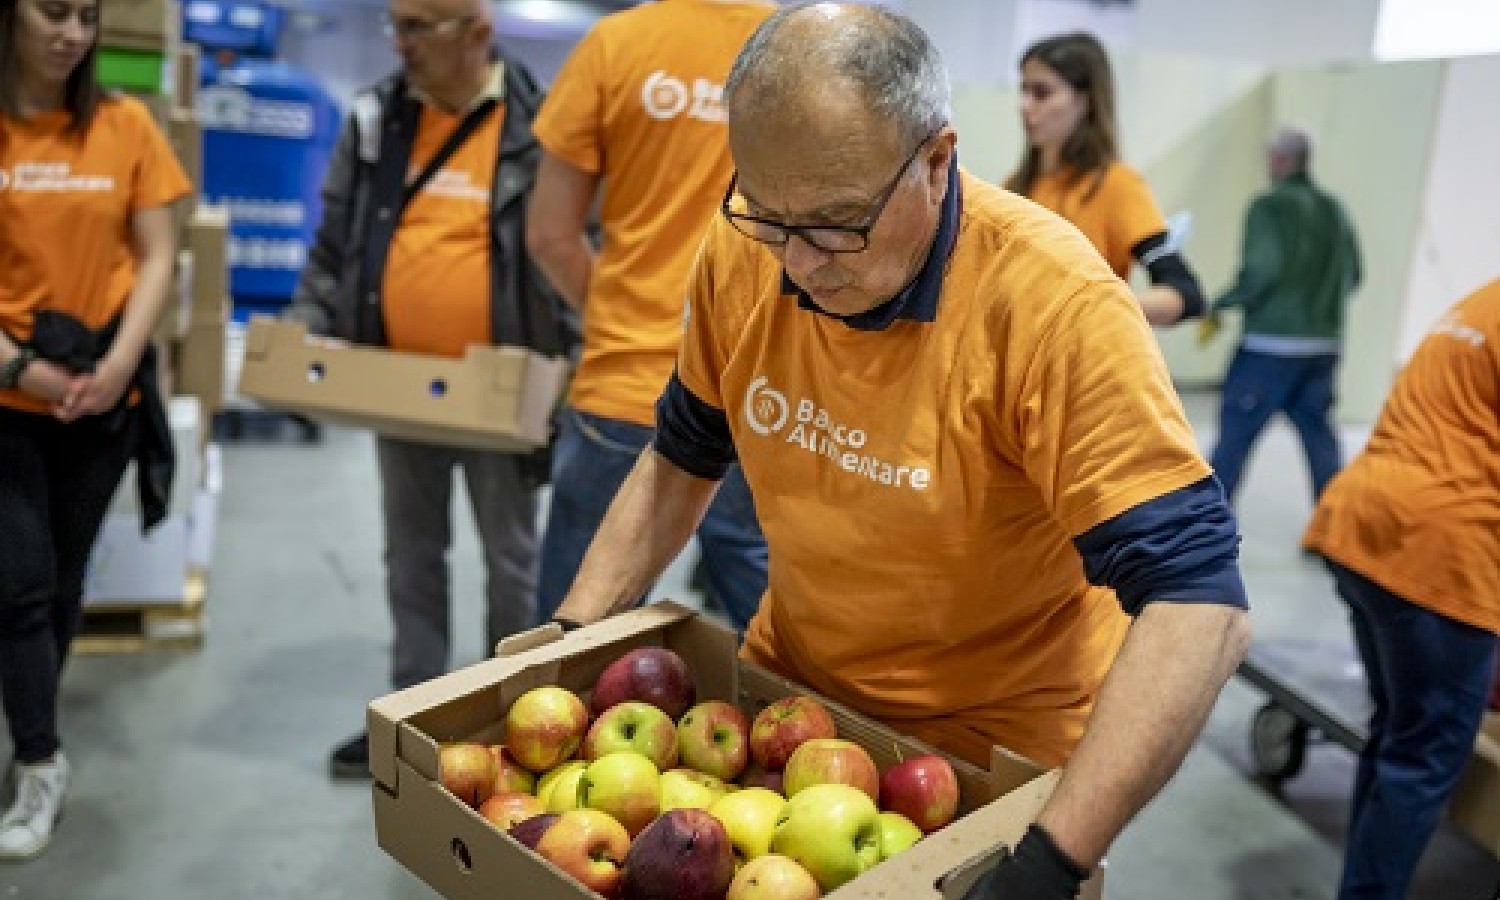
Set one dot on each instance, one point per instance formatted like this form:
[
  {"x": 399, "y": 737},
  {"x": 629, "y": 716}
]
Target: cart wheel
[{"x": 1278, "y": 743}]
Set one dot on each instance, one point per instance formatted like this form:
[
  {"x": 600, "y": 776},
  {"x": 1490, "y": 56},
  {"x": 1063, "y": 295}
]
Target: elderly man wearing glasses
[
  {"x": 422, "y": 249},
  {"x": 988, "y": 521}
]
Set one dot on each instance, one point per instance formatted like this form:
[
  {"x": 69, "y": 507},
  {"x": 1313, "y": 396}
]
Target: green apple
[
  {"x": 897, "y": 833},
  {"x": 624, "y": 784},
  {"x": 749, "y": 816},
  {"x": 558, "y": 789},
  {"x": 832, "y": 831},
  {"x": 687, "y": 789},
  {"x": 633, "y": 725}
]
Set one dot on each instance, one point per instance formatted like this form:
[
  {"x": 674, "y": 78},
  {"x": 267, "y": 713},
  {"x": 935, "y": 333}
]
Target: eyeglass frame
[
  {"x": 862, "y": 230},
  {"x": 424, "y": 28}
]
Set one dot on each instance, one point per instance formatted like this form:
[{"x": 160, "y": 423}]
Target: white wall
[{"x": 1458, "y": 239}]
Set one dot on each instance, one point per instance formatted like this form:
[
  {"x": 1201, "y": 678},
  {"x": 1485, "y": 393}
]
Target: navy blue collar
[{"x": 917, "y": 301}]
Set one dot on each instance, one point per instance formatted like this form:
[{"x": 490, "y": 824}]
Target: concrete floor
[{"x": 202, "y": 774}]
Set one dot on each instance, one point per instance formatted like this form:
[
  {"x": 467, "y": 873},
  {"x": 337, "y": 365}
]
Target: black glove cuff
[
  {"x": 1037, "y": 849},
  {"x": 566, "y": 625}
]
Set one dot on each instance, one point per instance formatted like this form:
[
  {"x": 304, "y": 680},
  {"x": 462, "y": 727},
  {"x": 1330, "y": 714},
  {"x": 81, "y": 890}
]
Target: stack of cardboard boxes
[{"x": 145, "y": 590}]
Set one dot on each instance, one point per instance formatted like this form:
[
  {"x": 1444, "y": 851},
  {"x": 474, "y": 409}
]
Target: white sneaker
[{"x": 27, "y": 826}]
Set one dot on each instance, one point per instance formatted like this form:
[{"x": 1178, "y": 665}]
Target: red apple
[
  {"x": 783, "y": 726},
  {"x": 588, "y": 845},
  {"x": 654, "y": 675},
  {"x": 529, "y": 831},
  {"x": 924, "y": 789},
  {"x": 468, "y": 771},
  {"x": 635, "y": 726},
  {"x": 507, "y": 811},
  {"x": 714, "y": 738},
  {"x": 832, "y": 761},
  {"x": 683, "y": 855},
  {"x": 510, "y": 777},
  {"x": 545, "y": 726},
  {"x": 773, "y": 877}
]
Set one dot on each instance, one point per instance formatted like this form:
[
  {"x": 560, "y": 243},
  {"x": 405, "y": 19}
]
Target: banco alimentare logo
[
  {"x": 665, "y": 96},
  {"x": 766, "y": 409}
]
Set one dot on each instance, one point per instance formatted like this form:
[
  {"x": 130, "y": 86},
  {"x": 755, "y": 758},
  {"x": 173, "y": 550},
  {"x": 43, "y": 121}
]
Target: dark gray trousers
[{"x": 417, "y": 492}]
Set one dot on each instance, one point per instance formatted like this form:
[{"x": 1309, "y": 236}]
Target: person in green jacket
[{"x": 1300, "y": 264}]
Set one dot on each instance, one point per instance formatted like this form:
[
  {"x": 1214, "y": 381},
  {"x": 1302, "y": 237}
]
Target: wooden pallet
[{"x": 139, "y": 627}]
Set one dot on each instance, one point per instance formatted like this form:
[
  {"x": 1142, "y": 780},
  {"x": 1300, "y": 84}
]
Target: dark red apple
[
  {"x": 923, "y": 788},
  {"x": 684, "y": 855},
  {"x": 654, "y": 675},
  {"x": 770, "y": 779}
]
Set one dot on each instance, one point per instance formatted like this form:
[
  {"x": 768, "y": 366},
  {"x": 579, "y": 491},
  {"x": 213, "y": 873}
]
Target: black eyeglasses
[{"x": 828, "y": 238}]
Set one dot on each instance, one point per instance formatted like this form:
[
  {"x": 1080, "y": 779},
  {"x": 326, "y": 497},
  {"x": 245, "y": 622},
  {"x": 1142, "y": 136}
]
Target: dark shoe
[{"x": 351, "y": 759}]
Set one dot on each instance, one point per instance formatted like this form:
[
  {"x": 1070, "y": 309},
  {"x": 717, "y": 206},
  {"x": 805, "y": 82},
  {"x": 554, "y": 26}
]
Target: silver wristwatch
[{"x": 11, "y": 372}]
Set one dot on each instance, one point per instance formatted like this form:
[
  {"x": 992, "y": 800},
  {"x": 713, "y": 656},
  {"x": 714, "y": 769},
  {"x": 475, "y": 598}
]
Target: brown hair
[
  {"x": 81, "y": 94},
  {"x": 1079, "y": 59}
]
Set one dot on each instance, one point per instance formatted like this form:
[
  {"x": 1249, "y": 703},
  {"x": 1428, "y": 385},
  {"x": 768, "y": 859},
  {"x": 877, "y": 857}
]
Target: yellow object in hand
[{"x": 1208, "y": 328}]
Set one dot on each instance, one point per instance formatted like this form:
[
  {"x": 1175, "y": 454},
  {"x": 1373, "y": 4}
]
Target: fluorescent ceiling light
[{"x": 1426, "y": 29}]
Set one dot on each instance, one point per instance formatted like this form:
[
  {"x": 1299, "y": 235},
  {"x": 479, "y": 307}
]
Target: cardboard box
[
  {"x": 186, "y": 139},
  {"x": 184, "y": 71},
  {"x": 463, "y": 857},
  {"x": 199, "y": 361},
  {"x": 205, "y": 242},
  {"x": 1475, "y": 810},
  {"x": 494, "y": 398},
  {"x": 138, "y": 24}
]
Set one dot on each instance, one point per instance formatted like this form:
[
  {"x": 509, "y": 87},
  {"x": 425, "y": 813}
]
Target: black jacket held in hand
[{"x": 63, "y": 339}]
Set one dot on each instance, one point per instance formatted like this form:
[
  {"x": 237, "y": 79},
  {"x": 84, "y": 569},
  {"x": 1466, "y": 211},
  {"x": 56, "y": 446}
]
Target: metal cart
[{"x": 1315, "y": 691}]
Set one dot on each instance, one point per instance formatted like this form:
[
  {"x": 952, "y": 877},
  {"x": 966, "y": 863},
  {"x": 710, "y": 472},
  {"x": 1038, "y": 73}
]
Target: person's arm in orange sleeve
[
  {"x": 155, "y": 248},
  {"x": 555, "y": 226}
]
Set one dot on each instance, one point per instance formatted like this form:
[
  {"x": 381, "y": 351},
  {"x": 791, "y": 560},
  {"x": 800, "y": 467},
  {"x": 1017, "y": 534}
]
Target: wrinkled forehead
[{"x": 824, "y": 146}]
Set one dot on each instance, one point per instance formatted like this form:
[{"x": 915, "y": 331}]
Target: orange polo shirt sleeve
[
  {"x": 70, "y": 199},
  {"x": 1418, "y": 511}
]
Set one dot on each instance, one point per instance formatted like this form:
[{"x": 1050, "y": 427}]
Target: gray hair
[
  {"x": 885, "y": 54},
  {"x": 1294, "y": 145}
]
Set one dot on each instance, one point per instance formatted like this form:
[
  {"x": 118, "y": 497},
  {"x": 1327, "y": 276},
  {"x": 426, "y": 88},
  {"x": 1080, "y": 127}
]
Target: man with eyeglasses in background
[
  {"x": 635, "y": 117},
  {"x": 422, "y": 249},
  {"x": 988, "y": 519}
]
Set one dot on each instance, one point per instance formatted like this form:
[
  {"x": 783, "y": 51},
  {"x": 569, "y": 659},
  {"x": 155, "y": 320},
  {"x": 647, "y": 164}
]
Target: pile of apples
[{"x": 646, "y": 794}]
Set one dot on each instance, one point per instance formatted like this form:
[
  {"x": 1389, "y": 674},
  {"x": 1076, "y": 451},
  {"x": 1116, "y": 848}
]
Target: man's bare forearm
[
  {"x": 653, "y": 515},
  {"x": 1150, "y": 710},
  {"x": 568, "y": 265}
]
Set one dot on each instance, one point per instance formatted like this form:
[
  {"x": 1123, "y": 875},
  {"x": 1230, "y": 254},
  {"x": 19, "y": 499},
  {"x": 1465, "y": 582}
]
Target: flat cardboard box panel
[
  {"x": 205, "y": 245},
  {"x": 461, "y": 856},
  {"x": 199, "y": 369},
  {"x": 494, "y": 398},
  {"x": 1475, "y": 810},
  {"x": 142, "y": 24}
]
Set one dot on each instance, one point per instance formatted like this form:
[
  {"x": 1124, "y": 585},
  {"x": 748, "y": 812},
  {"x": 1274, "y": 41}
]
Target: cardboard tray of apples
[{"x": 643, "y": 759}]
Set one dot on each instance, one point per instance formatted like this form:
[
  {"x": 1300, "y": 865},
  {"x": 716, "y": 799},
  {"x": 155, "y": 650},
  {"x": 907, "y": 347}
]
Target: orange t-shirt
[
  {"x": 920, "y": 486},
  {"x": 1120, "y": 214},
  {"x": 68, "y": 201},
  {"x": 639, "y": 101},
  {"x": 436, "y": 296},
  {"x": 1418, "y": 511}
]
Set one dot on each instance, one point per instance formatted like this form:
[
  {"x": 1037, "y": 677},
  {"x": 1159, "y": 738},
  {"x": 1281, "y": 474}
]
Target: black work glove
[{"x": 1035, "y": 870}]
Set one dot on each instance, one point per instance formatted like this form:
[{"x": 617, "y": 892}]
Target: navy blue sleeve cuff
[
  {"x": 1182, "y": 547},
  {"x": 691, "y": 434}
]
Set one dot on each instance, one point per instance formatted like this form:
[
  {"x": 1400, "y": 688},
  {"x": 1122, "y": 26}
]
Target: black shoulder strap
[{"x": 467, "y": 127}]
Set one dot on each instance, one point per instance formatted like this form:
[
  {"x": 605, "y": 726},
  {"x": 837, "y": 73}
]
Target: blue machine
[{"x": 268, "y": 131}]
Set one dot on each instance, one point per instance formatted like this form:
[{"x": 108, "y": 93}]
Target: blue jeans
[
  {"x": 1259, "y": 385},
  {"x": 590, "y": 460},
  {"x": 1429, "y": 678}
]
